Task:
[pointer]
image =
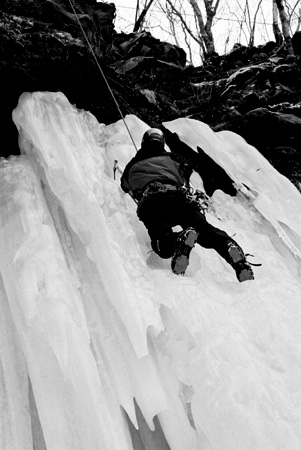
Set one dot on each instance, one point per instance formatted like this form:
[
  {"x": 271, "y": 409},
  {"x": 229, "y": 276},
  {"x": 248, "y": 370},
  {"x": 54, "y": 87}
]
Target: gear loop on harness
[
  {"x": 198, "y": 197},
  {"x": 156, "y": 186}
]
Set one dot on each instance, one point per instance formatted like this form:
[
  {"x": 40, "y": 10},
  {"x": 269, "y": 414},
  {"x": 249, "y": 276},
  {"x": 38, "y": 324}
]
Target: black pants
[{"x": 162, "y": 211}]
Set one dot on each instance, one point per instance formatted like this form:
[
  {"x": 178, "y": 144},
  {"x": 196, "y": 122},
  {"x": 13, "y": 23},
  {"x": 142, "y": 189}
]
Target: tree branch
[{"x": 141, "y": 18}]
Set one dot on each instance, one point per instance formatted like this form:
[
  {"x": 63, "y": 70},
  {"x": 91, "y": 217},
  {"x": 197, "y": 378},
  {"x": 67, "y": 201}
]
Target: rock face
[{"x": 255, "y": 92}]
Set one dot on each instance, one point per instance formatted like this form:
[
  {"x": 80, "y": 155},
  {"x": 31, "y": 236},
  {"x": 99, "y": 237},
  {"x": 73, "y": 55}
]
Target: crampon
[{"x": 184, "y": 245}]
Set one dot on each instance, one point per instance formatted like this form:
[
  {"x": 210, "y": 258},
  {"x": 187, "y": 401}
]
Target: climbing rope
[{"x": 102, "y": 73}]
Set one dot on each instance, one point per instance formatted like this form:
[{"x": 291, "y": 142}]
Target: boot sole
[
  {"x": 245, "y": 275},
  {"x": 235, "y": 255},
  {"x": 180, "y": 260}
]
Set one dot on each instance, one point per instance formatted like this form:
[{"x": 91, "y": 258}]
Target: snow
[{"x": 90, "y": 320}]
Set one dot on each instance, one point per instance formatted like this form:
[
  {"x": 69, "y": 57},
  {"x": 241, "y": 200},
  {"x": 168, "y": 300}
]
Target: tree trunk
[
  {"x": 285, "y": 26},
  {"x": 137, "y": 11},
  {"x": 276, "y": 29},
  {"x": 205, "y": 29}
]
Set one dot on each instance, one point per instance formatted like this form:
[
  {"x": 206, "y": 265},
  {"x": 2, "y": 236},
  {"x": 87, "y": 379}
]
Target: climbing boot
[
  {"x": 184, "y": 245},
  {"x": 239, "y": 263}
]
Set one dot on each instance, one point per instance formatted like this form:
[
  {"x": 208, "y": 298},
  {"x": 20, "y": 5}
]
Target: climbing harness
[
  {"x": 102, "y": 73},
  {"x": 155, "y": 186},
  {"x": 192, "y": 195}
]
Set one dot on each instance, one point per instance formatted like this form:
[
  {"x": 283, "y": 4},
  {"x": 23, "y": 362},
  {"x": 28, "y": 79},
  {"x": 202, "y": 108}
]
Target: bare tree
[
  {"x": 285, "y": 26},
  {"x": 202, "y": 31},
  {"x": 206, "y": 27},
  {"x": 193, "y": 24}
]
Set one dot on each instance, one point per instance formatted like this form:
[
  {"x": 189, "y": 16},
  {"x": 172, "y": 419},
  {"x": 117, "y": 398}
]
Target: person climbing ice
[{"x": 159, "y": 181}]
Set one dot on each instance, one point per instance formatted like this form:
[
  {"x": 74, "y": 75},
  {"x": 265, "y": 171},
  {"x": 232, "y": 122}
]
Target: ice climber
[{"x": 159, "y": 181}]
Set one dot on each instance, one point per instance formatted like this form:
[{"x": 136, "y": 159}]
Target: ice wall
[{"x": 101, "y": 345}]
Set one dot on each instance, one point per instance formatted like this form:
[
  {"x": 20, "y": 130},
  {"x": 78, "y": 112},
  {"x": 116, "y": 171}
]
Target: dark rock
[
  {"x": 268, "y": 48},
  {"x": 257, "y": 57},
  {"x": 250, "y": 102},
  {"x": 287, "y": 108},
  {"x": 95, "y": 18},
  {"x": 138, "y": 65},
  {"x": 287, "y": 74},
  {"x": 247, "y": 75},
  {"x": 238, "y": 57},
  {"x": 266, "y": 129},
  {"x": 140, "y": 44}
]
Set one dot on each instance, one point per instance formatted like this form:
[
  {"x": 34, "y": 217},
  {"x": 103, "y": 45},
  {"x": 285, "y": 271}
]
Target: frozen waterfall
[{"x": 102, "y": 346}]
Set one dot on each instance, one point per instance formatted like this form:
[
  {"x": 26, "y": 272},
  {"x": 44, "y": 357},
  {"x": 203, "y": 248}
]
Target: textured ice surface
[{"x": 91, "y": 321}]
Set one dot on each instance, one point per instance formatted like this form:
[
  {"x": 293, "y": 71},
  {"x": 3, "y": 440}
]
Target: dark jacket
[{"x": 149, "y": 165}]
